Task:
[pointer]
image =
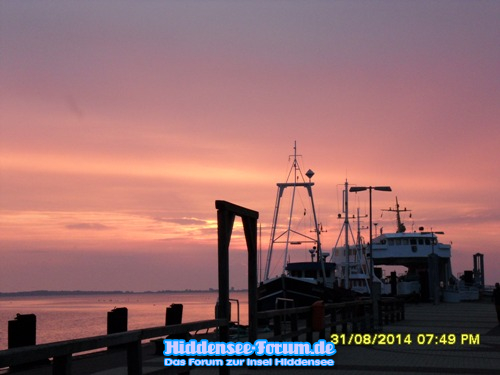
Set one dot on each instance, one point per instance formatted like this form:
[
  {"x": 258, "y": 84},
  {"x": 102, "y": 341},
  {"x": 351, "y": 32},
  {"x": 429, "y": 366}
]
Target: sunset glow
[{"x": 121, "y": 124}]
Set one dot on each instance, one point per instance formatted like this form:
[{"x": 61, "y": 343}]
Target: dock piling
[
  {"x": 22, "y": 331},
  {"x": 117, "y": 322},
  {"x": 173, "y": 314}
]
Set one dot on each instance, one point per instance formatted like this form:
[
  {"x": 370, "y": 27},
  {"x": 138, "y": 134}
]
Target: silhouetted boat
[
  {"x": 352, "y": 264},
  {"x": 305, "y": 282}
]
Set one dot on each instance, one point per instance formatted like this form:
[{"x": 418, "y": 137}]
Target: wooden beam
[
  {"x": 250, "y": 228},
  {"x": 34, "y": 353},
  {"x": 235, "y": 209}
]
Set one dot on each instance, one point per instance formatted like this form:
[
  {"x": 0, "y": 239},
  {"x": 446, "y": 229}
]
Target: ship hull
[{"x": 286, "y": 291}]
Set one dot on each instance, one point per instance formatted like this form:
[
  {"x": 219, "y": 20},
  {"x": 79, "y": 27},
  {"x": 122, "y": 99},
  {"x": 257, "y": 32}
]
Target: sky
[{"x": 121, "y": 123}]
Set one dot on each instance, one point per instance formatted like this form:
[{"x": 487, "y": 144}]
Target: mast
[
  {"x": 273, "y": 232},
  {"x": 346, "y": 226},
  {"x": 285, "y": 237},
  {"x": 401, "y": 226},
  {"x": 320, "y": 258},
  {"x": 294, "y": 167},
  {"x": 345, "y": 229}
]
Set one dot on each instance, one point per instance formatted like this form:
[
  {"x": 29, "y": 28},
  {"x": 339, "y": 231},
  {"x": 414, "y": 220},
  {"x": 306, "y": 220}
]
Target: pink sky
[{"x": 122, "y": 122}]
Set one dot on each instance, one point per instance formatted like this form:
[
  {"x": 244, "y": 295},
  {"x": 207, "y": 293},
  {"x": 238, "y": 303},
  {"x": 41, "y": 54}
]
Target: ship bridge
[
  {"x": 403, "y": 248},
  {"x": 419, "y": 252}
]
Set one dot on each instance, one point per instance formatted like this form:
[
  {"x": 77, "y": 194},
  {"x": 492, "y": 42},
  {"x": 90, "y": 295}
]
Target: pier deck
[{"x": 475, "y": 319}]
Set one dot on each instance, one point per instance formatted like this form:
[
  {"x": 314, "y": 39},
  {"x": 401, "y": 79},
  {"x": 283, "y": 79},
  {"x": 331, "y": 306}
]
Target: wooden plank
[{"x": 272, "y": 313}]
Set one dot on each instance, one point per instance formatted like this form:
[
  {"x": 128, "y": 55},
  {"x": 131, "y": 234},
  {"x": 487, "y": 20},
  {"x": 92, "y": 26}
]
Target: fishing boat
[
  {"x": 296, "y": 283},
  {"x": 350, "y": 257}
]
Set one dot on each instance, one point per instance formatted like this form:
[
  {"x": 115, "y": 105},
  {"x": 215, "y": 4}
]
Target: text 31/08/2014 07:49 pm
[{"x": 405, "y": 339}]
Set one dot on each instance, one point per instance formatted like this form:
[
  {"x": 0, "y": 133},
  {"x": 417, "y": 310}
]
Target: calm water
[{"x": 69, "y": 317}]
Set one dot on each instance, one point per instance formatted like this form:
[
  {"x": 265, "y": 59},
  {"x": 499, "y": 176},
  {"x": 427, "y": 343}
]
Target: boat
[
  {"x": 301, "y": 283},
  {"x": 429, "y": 273},
  {"x": 297, "y": 283},
  {"x": 351, "y": 258},
  {"x": 427, "y": 261}
]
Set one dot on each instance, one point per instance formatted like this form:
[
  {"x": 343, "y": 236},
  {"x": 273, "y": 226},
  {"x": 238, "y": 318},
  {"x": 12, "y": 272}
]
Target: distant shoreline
[{"x": 49, "y": 293}]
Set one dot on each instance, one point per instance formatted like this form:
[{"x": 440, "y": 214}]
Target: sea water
[{"x": 69, "y": 317}]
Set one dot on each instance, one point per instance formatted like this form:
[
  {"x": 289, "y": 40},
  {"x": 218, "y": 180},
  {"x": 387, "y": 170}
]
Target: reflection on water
[{"x": 69, "y": 317}]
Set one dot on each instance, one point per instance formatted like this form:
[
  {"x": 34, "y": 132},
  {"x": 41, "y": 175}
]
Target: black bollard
[
  {"x": 117, "y": 322},
  {"x": 173, "y": 314},
  {"x": 22, "y": 331}
]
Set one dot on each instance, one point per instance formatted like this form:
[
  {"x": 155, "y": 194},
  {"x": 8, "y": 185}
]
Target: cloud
[
  {"x": 182, "y": 220},
  {"x": 88, "y": 226}
]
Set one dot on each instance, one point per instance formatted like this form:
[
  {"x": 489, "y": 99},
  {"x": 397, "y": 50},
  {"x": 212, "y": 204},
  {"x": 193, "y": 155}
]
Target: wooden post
[
  {"x": 250, "y": 227},
  {"x": 277, "y": 325},
  {"x": 344, "y": 319},
  {"x": 134, "y": 358},
  {"x": 333, "y": 321},
  {"x": 117, "y": 322},
  {"x": 381, "y": 314},
  {"x": 226, "y": 213},
  {"x": 225, "y": 221},
  {"x": 62, "y": 365},
  {"x": 22, "y": 331},
  {"x": 309, "y": 333},
  {"x": 365, "y": 323},
  {"x": 294, "y": 326}
]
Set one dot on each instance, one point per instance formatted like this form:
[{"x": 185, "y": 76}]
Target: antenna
[{"x": 401, "y": 226}]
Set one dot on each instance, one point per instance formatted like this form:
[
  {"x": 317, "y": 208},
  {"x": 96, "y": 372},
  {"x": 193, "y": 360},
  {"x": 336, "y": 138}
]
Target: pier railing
[
  {"x": 390, "y": 310},
  {"x": 290, "y": 323},
  {"x": 62, "y": 351}
]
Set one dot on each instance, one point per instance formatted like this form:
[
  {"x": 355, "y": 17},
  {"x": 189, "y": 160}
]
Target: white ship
[{"x": 429, "y": 274}]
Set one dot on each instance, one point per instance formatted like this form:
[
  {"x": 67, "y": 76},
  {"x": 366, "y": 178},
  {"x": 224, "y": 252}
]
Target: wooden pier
[
  {"x": 474, "y": 322},
  {"x": 293, "y": 324}
]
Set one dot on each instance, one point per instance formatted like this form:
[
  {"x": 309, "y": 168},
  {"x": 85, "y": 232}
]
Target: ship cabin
[
  {"x": 312, "y": 271},
  {"x": 421, "y": 253},
  {"x": 400, "y": 246}
]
